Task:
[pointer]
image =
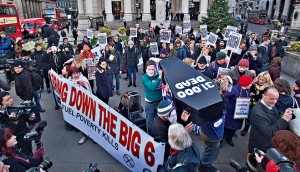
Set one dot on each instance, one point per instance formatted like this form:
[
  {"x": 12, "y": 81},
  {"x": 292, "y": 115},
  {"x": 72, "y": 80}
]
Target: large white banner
[{"x": 130, "y": 145}]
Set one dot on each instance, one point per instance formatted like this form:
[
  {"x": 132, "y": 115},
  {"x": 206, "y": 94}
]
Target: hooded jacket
[
  {"x": 5, "y": 45},
  {"x": 85, "y": 55}
]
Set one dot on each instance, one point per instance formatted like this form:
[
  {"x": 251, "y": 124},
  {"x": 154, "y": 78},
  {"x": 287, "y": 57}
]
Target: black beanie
[
  {"x": 297, "y": 82},
  {"x": 202, "y": 60},
  {"x": 18, "y": 63},
  {"x": 3, "y": 94},
  {"x": 25, "y": 53}
]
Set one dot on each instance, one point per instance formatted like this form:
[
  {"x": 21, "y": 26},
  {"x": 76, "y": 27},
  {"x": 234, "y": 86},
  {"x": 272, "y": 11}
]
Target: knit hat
[
  {"x": 2, "y": 32},
  {"x": 202, "y": 60},
  {"x": 2, "y": 131},
  {"x": 3, "y": 94},
  {"x": 252, "y": 48},
  {"x": 297, "y": 82},
  {"x": 163, "y": 51},
  {"x": 130, "y": 43},
  {"x": 243, "y": 63},
  {"x": 18, "y": 63},
  {"x": 25, "y": 53},
  {"x": 221, "y": 55},
  {"x": 164, "y": 108},
  {"x": 245, "y": 81}
]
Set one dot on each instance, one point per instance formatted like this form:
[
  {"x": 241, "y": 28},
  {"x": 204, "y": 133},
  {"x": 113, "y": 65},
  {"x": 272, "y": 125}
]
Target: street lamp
[
  {"x": 91, "y": 21},
  {"x": 137, "y": 6}
]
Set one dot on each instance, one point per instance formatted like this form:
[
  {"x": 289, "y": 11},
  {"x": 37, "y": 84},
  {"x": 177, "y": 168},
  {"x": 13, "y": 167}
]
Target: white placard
[
  {"x": 91, "y": 68},
  {"x": 229, "y": 29},
  {"x": 186, "y": 26},
  {"x": 133, "y": 32},
  {"x": 126, "y": 142},
  {"x": 102, "y": 39},
  {"x": 242, "y": 107},
  {"x": 154, "y": 48},
  {"x": 203, "y": 32},
  {"x": 212, "y": 39},
  {"x": 233, "y": 42},
  {"x": 165, "y": 36},
  {"x": 97, "y": 54},
  {"x": 90, "y": 33},
  {"x": 178, "y": 29}
]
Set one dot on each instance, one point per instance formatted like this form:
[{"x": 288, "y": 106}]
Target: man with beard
[{"x": 240, "y": 70}]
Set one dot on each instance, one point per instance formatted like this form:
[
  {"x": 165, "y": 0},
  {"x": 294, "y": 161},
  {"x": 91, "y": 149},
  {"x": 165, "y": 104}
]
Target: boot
[
  {"x": 134, "y": 84},
  {"x": 245, "y": 130},
  {"x": 130, "y": 84}
]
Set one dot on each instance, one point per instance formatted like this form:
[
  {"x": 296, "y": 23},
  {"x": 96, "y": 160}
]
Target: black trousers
[
  {"x": 46, "y": 78},
  {"x": 228, "y": 134}
]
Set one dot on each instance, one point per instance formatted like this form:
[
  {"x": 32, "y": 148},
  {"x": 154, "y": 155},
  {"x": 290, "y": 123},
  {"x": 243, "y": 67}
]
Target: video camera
[
  {"x": 93, "y": 168},
  {"x": 37, "y": 134},
  {"x": 25, "y": 108},
  {"x": 45, "y": 165}
]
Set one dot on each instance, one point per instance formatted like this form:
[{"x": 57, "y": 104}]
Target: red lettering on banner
[
  {"x": 79, "y": 100},
  {"x": 112, "y": 125},
  {"x": 102, "y": 112},
  {"x": 106, "y": 121},
  {"x": 89, "y": 106},
  {"x": 129, "y": 140},
  {"x": 64, "y": 93},
  {"x": 73, "y": 96},
  {"x": 148, "y": 154}
]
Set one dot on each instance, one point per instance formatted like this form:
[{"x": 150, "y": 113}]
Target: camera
[
  {"x": 45, "y": 165},
  {"x": 93, "y": 168},
  {"x": 37, "y": 134},
  {"x": 25, "y": 108}
]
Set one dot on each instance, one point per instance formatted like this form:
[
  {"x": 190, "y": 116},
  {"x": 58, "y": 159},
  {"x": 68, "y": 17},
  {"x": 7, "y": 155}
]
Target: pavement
[{"x": 67, "y": 155}]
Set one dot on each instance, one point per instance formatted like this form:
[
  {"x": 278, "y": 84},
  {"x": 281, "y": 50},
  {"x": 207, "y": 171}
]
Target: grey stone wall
[{"x": 291, "y": 64}]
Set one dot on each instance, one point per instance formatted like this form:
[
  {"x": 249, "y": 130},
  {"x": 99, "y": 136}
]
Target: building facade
[
  {"x": 30, "y": 8},
  {"x": 243, "y": 7},
  {"x": 278, "y": 9}
]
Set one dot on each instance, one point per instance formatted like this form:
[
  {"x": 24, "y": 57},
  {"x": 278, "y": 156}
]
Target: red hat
[
  {"x": 244, "y": 63},
  {"x": 245, "y": 81}
]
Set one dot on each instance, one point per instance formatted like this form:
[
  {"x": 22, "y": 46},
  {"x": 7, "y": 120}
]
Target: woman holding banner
[{"x": 103, "y": 81}]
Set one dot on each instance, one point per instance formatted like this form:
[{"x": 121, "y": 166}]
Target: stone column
[
  {"x": 270, "y": 8},
  {"x": 128, "y": 10},
  {"x": 286, "y": 9},
  {"x": 146, "y": 10},
  {"x": 276, "y": 14},
  {"x": 185, "y": 9},
  {"x": 80, "y": 7},
  {"x": 160, "y": 11},
  {"x": 19, "y": 7},
  {"x": 89, "y": 8},
  {"x": 203, "y": 9},
  {"x": 108, "y": 10}
]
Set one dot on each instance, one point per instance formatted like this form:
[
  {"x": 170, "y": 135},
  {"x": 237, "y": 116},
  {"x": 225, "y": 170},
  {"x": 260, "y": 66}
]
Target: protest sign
[
  {"x": 233, "y": 42},
  {"x": 91, "y": 68},
  {"x": 133, "y": 32},
  {"x": 212, "y": 39},
  {"x": 90, "y": 33},
  {"x": 165, "y": 36},
  {"x": 186, "y": 26},
  {"x": 178, "y": 29},
  {"x": 29, "y": 46},
  {"x": 102, "y": 40},
  {"x": 242, "y": 107},
  {"x": 229, "y": 29},
  {"x": 192, "y": 91},
  {"x": 154, "y": 48},
  {"x": 129, "y": 144},
  {"x": 97, "y": 54},
  {"x": 222, "y": 71},
  {"x": 203, "y": 31}
]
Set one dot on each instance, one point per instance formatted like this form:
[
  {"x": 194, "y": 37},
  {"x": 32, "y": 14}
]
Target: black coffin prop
[{"x": 192, "y": 91}]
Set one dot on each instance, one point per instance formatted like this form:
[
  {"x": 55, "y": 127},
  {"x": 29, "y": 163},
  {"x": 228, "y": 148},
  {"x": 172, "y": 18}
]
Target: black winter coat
[
  {"x": 115, "y": 65},
  {"x": 38, "y": 56},
  {"x": 207, "y": 72},
  {"x": 255, "y": 63},
  {"x": 50, "y": 34},
  {"x": 145, "y": 52},
  {"x": 55, "y": 63},
  {"x": 24, "y": 88},
  {"x": 132, "y": 57},
  {"x": 264, "y": 53},
  {"x": 264, "y": 124},
  {"x": 283, "y": 103},
  {"x": 104, "y": 84}
]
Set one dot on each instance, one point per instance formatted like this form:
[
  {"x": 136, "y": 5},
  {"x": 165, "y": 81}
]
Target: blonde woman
[{"x": 189, "y": 61}]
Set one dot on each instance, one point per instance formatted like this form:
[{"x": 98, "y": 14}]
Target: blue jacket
[
  {"x": 236, "y": 92},
  {"x": 5, "y": 45},
  {"x": 214, "y": 67},
  {"x": 181, "y": 54}
]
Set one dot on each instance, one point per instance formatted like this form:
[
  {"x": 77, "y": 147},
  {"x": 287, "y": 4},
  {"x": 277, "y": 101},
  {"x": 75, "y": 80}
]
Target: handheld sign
[
  {"x": 133, "y": 32},
  {"x": 186, "y": 26},
  {"x": 97, "y": 54},
  {"x": 212, "y": 39},
  {"x": 233, "y": 42},
  {"x": 192, "y": 91},
  {"x": 203, "y": 31},
  {"x": 102, "y": 39},
  {"x": 165, "y": 36},
  {"x": 229, "y": 29},
  {"x": 154, "y": 48},
  {"x": 89, "y": 33},
  {"x": 178, "y": 29}
]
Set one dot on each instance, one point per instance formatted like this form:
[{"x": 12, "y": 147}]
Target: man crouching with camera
[{"x": 16, "y": 122}]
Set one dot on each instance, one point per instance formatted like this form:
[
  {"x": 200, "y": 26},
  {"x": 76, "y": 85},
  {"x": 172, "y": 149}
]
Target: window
[
  {"x": 9, "y": 29},
  {"x": 4, "y": 10}
]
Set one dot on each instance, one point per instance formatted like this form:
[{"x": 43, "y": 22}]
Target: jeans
[
  {"x": 210, "y": 153},
  {"x": 37, "y": 97},
  {"x": 131, "y": 70},
  {"x": 117, "y": 76},
  {"x": 151, "y": 112}
]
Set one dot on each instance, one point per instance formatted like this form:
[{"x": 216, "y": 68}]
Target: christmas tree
[{"x": 218, "y": 16}]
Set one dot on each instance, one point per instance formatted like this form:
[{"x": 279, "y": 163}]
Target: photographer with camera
[
  {"x": 14, "y": 157},
  {"x": 16, "y": 122}
]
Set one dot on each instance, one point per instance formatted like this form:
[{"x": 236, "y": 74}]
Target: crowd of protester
[{"x": 253, "y": 74}]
